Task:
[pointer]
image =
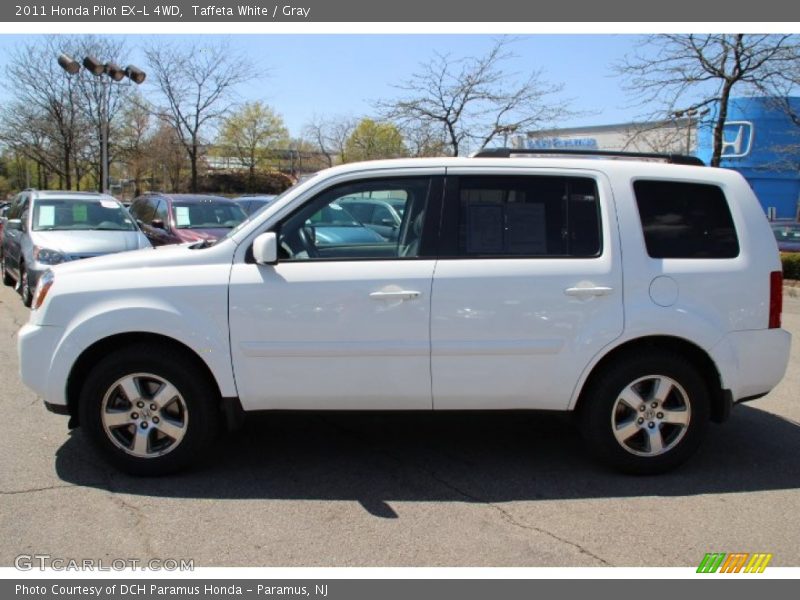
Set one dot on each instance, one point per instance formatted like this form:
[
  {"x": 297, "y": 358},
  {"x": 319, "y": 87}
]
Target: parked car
[
  {"x": 3, "y": 211},
  {"x": 787, "y": 235},
  {"x": 178, "y": 218},
  {"x": 45, "y": 228},
  {"x": 334, "y": 226},
  {"x": 382, "y": 215},
  {"x": 643, "y": 297},
  {"x": 254, "y": 202}
]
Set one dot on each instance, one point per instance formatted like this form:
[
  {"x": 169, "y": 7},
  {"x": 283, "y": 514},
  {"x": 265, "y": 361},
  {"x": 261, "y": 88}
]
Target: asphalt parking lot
[{"x": 401, "y": 490}]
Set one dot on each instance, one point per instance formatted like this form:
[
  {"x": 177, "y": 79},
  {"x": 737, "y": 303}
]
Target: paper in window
[
  {"x": 182, "y": 216},
  {"x": 47, "y": 216},
  {"x": 526, "y": 229},
  {"x": 484, "y": 229}
]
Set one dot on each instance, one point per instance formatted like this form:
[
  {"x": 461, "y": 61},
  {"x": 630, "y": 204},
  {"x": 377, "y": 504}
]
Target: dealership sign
[{"x": 560, "y": 142}]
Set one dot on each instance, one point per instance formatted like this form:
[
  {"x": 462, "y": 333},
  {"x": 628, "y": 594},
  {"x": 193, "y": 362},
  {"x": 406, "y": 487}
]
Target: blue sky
[{"x": 300, "y": 75}]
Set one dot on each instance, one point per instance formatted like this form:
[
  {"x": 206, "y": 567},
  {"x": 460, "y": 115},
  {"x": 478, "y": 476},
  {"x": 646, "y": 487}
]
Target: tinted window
[
  {"x": 528, "y": 216},
  {"x": 161, "y": 212},
  {"x": 143, "y": 210},
  {"x": 685, "y": 220}
]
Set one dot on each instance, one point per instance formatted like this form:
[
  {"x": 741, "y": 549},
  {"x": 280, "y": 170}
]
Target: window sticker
[
  {"x": 79, "y": 213},
  {"x": 47, "y": 216},
  {"x": 182, "y": 216},
  {"x": 108, "y": 204}
]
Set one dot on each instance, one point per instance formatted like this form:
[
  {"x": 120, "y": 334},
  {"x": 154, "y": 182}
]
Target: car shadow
[{"x": 375, "y": 458}]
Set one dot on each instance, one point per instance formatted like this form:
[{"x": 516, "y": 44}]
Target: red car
[{"x": 179, "y": 218}]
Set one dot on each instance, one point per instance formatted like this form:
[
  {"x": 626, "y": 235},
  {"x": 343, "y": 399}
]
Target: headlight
[
  {"x": 42, "y": 287},
  {"x": 47, "y": 256}
]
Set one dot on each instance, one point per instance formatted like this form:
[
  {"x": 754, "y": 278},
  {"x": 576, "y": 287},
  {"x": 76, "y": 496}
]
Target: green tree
[
  {"x": 371, "y": 140},
  {"x": 252, "y": 133}
]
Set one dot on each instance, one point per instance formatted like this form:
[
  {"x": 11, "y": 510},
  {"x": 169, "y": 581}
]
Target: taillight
[{"x": 775, "y": 299}]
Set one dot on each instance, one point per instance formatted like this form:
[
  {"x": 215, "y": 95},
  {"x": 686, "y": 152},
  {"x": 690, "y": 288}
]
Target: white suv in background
[{"x": 643, "y": 296}]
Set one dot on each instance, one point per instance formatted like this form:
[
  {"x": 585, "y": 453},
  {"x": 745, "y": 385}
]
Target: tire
[
  {"x": 169, "y": 420},
  {"x": 7, "y": 279},
  {"x": 24, "y": 286},
  {"x": 646, "y": 413}
]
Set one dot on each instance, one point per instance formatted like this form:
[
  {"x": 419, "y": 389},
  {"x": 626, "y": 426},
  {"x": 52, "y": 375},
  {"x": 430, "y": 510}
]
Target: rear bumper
[{"x": 751, "y": 363}]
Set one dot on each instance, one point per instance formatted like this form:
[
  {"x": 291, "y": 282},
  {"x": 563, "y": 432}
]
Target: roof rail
[{"x": 677, "y": 159}]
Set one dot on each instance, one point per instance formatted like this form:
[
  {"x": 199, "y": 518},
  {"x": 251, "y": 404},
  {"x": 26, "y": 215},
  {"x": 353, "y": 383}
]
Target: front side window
[
  {"x": 528, "y": 216},
  {"x": 103, "y": 215},
  {"x": 330, "y": 226},
  {"x": 685, "y": 220}
]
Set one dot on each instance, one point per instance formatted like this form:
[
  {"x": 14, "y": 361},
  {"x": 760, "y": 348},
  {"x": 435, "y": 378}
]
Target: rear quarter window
[{"x": 685, "y": 220}]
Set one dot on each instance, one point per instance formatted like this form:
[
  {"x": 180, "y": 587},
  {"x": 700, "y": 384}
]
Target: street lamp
[
  {"x": 689, "y": 113},
  {"x": 114, "y": 73}
]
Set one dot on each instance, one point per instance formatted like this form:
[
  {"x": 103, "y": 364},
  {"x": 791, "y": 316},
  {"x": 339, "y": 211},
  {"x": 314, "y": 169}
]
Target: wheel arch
[
  {"x": 719, "y": 397},
  {"x": 100, "y": 348}
]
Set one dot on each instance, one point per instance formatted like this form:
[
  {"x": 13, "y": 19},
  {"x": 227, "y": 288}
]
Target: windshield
[
  {"x": 252, "y": 215},
  {"x": 207, "y": 215},
  {"x": 53, "y": 214}
]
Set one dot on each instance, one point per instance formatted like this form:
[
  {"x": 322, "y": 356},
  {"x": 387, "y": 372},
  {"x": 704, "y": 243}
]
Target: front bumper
[{"x": 36, "y": 347}]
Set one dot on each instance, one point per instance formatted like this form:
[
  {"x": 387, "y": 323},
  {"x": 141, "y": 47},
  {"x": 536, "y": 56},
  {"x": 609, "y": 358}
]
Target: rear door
[{"x": 528, "y": 287}]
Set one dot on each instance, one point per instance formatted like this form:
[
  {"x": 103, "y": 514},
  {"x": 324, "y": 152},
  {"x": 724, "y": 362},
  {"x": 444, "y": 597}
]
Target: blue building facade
[{"x": 761, "y": 141}]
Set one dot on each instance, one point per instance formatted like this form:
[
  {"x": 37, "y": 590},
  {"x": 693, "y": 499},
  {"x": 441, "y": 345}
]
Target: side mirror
[
  {"x": 14, "y": 225},
  {"x": 157, "y": 223},
  {"x": 265, "y": 248}
]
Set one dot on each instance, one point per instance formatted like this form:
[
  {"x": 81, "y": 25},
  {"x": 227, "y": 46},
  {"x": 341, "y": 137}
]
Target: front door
[{"x": 342, "y": 320}]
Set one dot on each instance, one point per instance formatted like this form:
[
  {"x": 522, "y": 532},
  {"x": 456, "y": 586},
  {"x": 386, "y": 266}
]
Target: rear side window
[
  {"x": 528, "y": 216},
  {"x": 685, "y": 220}
]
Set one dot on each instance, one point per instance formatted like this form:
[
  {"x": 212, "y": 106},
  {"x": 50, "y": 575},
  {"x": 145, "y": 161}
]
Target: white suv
[{"x": 643, "y": 296}]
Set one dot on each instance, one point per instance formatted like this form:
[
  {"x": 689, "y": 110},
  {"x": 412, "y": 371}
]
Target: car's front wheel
[
  {"x": 7, "y": 278},
  {"x": 646, "y": 413},
  {"x": 25, "y": 286},
  {"x": 149, "y": 415}
]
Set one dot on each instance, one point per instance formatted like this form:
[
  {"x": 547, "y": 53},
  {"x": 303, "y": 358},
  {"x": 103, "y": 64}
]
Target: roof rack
[{"x": 677, "y": 159}]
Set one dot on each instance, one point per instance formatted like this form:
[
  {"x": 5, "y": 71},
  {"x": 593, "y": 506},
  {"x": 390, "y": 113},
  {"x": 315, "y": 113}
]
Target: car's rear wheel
[
  {"x": 7, "y": 279},
  {"x": 148, "y": 415},
  {"x": 646, "y": 413}
]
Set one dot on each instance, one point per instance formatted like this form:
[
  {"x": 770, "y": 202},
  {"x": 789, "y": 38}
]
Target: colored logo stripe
[
  {"x": 758, "y": 563},
  {"x": 711, "y": 562},
  {"x": 734, "y": 563}
]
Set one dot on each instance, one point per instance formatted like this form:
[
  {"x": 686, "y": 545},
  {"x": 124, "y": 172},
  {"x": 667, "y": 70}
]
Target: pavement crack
[
  {"x": 136, "y": 512},
  {"x": 511, "y": 519},
  {"x": 37, "y": 489},
  {"x": 504, "y": 514}
]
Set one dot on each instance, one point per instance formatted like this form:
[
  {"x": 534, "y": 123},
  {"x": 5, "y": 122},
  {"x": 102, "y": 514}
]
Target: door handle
[
  {"x": 399, "y": 295},
  {"x": 582, "y": 292}
]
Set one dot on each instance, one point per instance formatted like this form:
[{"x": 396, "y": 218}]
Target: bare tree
[
  {"x": 197, "y": 84},
  {"x": 44, "y": 120},
  {"x": 681, "y": 74},
  {"x": 474, "y": 101},
  {"x": 330, "y": 135},
  {"x": 133, "y": 134}
]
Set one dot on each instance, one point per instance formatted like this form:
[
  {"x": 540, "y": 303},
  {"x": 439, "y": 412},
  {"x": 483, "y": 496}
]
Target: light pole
[
  {"x": 114, "y": 73},
  {"x": 689, "y": 113}
]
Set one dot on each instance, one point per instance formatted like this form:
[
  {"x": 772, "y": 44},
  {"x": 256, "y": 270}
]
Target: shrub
[{"x": 791, "y": 265}]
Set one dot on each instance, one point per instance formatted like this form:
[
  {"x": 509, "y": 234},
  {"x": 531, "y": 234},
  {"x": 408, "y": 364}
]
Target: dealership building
[{"x": 760, "y": 140}]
